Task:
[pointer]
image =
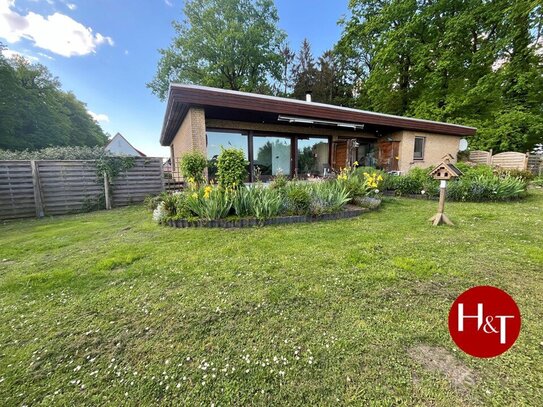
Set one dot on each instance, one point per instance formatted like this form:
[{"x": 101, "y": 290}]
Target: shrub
[
  {"x": 279, "y": 182},
  {"x": 160, "y": 214},
  {"x": 151, "y": 202},
  {"x": 485, "y": 188},
  {"x": 297, "y": 198},
  {"x": 231, "y": 168},
  {"x": 192, "y": 166},
  {"x": 209, "y": 203},
  {"x": 56, "y": 153},
  {"x": 327, "y": 197},
  {"x": 522, "y": 174},
  {"x": 266, "y": 203},
  {"x": 477, "y": 170},
  {"x": 538, "y": 181},
  {"x": 242, "y": 202}
]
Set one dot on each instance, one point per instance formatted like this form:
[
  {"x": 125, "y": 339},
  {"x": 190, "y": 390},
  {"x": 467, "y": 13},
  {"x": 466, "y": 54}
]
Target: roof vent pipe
[{"x": 308, "y": 96}]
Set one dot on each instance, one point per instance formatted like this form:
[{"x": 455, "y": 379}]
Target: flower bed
[
  {"x": 279, "y": 202},
  {"x": 478, "y": 184},
  {"x": 349, "y": 212}
]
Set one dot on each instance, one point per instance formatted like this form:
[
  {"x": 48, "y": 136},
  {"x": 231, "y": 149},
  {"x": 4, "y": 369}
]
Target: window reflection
[
  {"x": 313, "y": 157},
  {"x": 271, "y": 155},
  {"x": 224, "y": 139}
]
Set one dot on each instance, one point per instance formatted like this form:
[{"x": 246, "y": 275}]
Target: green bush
[
  {"x": 279, "y": 182},
  {"x": 522, "y": 174},
  {"x": 192, "y": 166},
  {"x": 537, "y": 181},
  {"x": 56, "y": 153},
  {"x": 231, "y": 168},
  {"x": 327, "y": 197},
  {"x": 209, "y": 203},
  {"x": 242, "y": 202},
  {"x": 485, "y": 188},
  {"x": 151, "y": 202},
  {"x": 266, "y": 202},
  {"x": 297, "y": 198}
]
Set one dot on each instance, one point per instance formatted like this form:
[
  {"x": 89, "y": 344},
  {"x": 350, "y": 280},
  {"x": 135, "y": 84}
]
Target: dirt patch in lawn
[{"x": 436, "y": 359}]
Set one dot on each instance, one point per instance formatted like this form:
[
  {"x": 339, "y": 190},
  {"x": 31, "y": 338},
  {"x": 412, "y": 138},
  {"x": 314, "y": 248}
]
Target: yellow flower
[
  {"x": 207, "y": 192},
  {"x": 380, "y": 177},
  {"x": 355, "y": 164},
  {"x": 195, "y": 195}
]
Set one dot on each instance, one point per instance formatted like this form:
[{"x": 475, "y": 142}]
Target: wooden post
[
  {"x": 106, "y": 192},
  {"x": 40, "y": 213},
  {"x": 440, "y": 218},
  {"x": 162, "y": 180}
]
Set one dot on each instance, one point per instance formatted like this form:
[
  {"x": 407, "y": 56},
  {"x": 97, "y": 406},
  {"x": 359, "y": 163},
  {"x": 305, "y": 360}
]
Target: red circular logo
[{"x": 484, "y": 321}]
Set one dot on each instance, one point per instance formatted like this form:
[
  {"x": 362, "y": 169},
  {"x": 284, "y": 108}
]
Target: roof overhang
[{"x": 181, "y": 97}]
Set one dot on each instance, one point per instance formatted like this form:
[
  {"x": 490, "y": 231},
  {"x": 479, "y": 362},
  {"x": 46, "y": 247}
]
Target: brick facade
[{"x": 191, "y": 135}]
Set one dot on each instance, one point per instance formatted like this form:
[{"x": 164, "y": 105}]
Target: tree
[
  {"x": 304, "y": 71},
  {"x": 231, "y": 44},
  {"x": 287, "y": 58},
  {"x": 331, "y": 84},
  {"x": 474, "y": 62},
  {"x": 36, "y": 113}
]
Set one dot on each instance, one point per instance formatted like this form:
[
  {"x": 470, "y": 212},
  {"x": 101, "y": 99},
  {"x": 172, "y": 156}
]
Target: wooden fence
[
  {"x": 508, "y": 160},
  {"x": 52, "y": 187}
]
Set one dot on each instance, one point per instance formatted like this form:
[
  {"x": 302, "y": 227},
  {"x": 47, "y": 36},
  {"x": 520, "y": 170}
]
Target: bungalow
[{"x": 300, "y": 138}]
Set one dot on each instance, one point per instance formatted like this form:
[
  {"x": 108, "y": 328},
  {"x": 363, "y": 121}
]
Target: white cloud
[
  {"x": 10, "y": 53},
  {"x": 99, "y": 117},
  {"x": 169, "y": 3},
  {"x": 57, "y": 33},
  {"x": 71, "y": 6}
]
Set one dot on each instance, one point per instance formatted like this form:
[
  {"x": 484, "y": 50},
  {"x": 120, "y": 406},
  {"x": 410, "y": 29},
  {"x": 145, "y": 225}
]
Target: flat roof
[{"x": 182, "y": 96}]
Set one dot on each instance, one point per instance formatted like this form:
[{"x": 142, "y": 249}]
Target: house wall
[
  {"x": 119, "y": 146},
  {"x": 191, "y": 135},
  {"x": 436, "y": 146}
]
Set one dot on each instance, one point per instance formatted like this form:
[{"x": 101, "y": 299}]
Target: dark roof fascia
[{"x": 181, "y": 97}]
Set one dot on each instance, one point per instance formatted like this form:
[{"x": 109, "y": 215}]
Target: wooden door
[
  {"x": 388, "y": 155},
  {"x": 340, "y": 155}
]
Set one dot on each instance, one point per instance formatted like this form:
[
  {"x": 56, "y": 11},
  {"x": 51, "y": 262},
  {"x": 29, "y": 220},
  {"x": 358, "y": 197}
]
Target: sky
[{"x": 106, "y": 51}]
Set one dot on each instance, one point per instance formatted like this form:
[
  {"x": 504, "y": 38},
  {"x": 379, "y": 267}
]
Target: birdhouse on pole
[{"x": 443, "y": 172}]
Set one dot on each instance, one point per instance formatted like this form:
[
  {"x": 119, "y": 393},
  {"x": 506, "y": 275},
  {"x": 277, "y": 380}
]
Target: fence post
[
  {"x": 106, "y": 192},
  {"x": 162, "y": 174},
  {"x": 40, "y": 213}
]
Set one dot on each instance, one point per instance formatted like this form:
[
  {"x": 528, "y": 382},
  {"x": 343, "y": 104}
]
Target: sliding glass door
[
  {"x": 312, "y": 157},
  {"x": 272, "y": 156}
]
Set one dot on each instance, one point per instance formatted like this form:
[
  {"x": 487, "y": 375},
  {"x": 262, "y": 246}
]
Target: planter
[{"x": 368, "y": 202}]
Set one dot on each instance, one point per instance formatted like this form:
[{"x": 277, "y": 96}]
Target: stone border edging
[{"x": 252, "y": 222}]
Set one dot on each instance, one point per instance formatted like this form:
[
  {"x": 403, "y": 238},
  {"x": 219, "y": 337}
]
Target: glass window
[
  {"x": 271, "y": 155},
  {"x": 313, "y": 157},
  {"x": 366, "y": 154},
  {"x": 226, "y": 139},
  {"x": 419, "y": 148}
]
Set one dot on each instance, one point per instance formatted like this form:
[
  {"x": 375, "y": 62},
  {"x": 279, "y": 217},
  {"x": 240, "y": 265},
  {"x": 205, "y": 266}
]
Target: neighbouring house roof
[
  {"x": 181, "y": 97},
  {"x": 119, "y": 145}
]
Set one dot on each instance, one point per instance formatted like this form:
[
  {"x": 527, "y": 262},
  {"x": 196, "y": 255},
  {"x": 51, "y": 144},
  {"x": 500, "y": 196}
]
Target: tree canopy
[
  {"x": 231, "y": 44},
  {"x": 474, "y": 62},
  {"x": 36, "y": 113}
]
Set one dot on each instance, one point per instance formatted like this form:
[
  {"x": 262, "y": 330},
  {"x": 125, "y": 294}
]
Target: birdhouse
[{"x": 445, "y": 171}]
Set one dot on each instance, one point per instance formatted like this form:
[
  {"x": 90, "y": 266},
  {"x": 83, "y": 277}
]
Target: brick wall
[
  {"x": 436, "y": 146},
  {"x": 191, "y": 135}
]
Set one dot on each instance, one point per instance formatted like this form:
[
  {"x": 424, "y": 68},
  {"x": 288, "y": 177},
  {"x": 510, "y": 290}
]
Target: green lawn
[{"x": 108, "y": 308}]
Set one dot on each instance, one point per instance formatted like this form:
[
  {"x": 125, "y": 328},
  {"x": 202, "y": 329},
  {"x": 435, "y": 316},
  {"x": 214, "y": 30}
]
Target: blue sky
[{"x": 106, "y": 51}]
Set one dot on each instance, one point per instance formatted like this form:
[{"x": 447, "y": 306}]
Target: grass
[{"x": 109, "y": 309}]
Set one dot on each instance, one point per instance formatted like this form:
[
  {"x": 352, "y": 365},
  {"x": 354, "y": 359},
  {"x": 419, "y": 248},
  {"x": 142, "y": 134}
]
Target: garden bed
[{"x": 348, "y": 212}]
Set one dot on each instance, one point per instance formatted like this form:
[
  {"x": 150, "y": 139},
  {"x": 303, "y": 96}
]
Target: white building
[{"x": 118, "y": 145}]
